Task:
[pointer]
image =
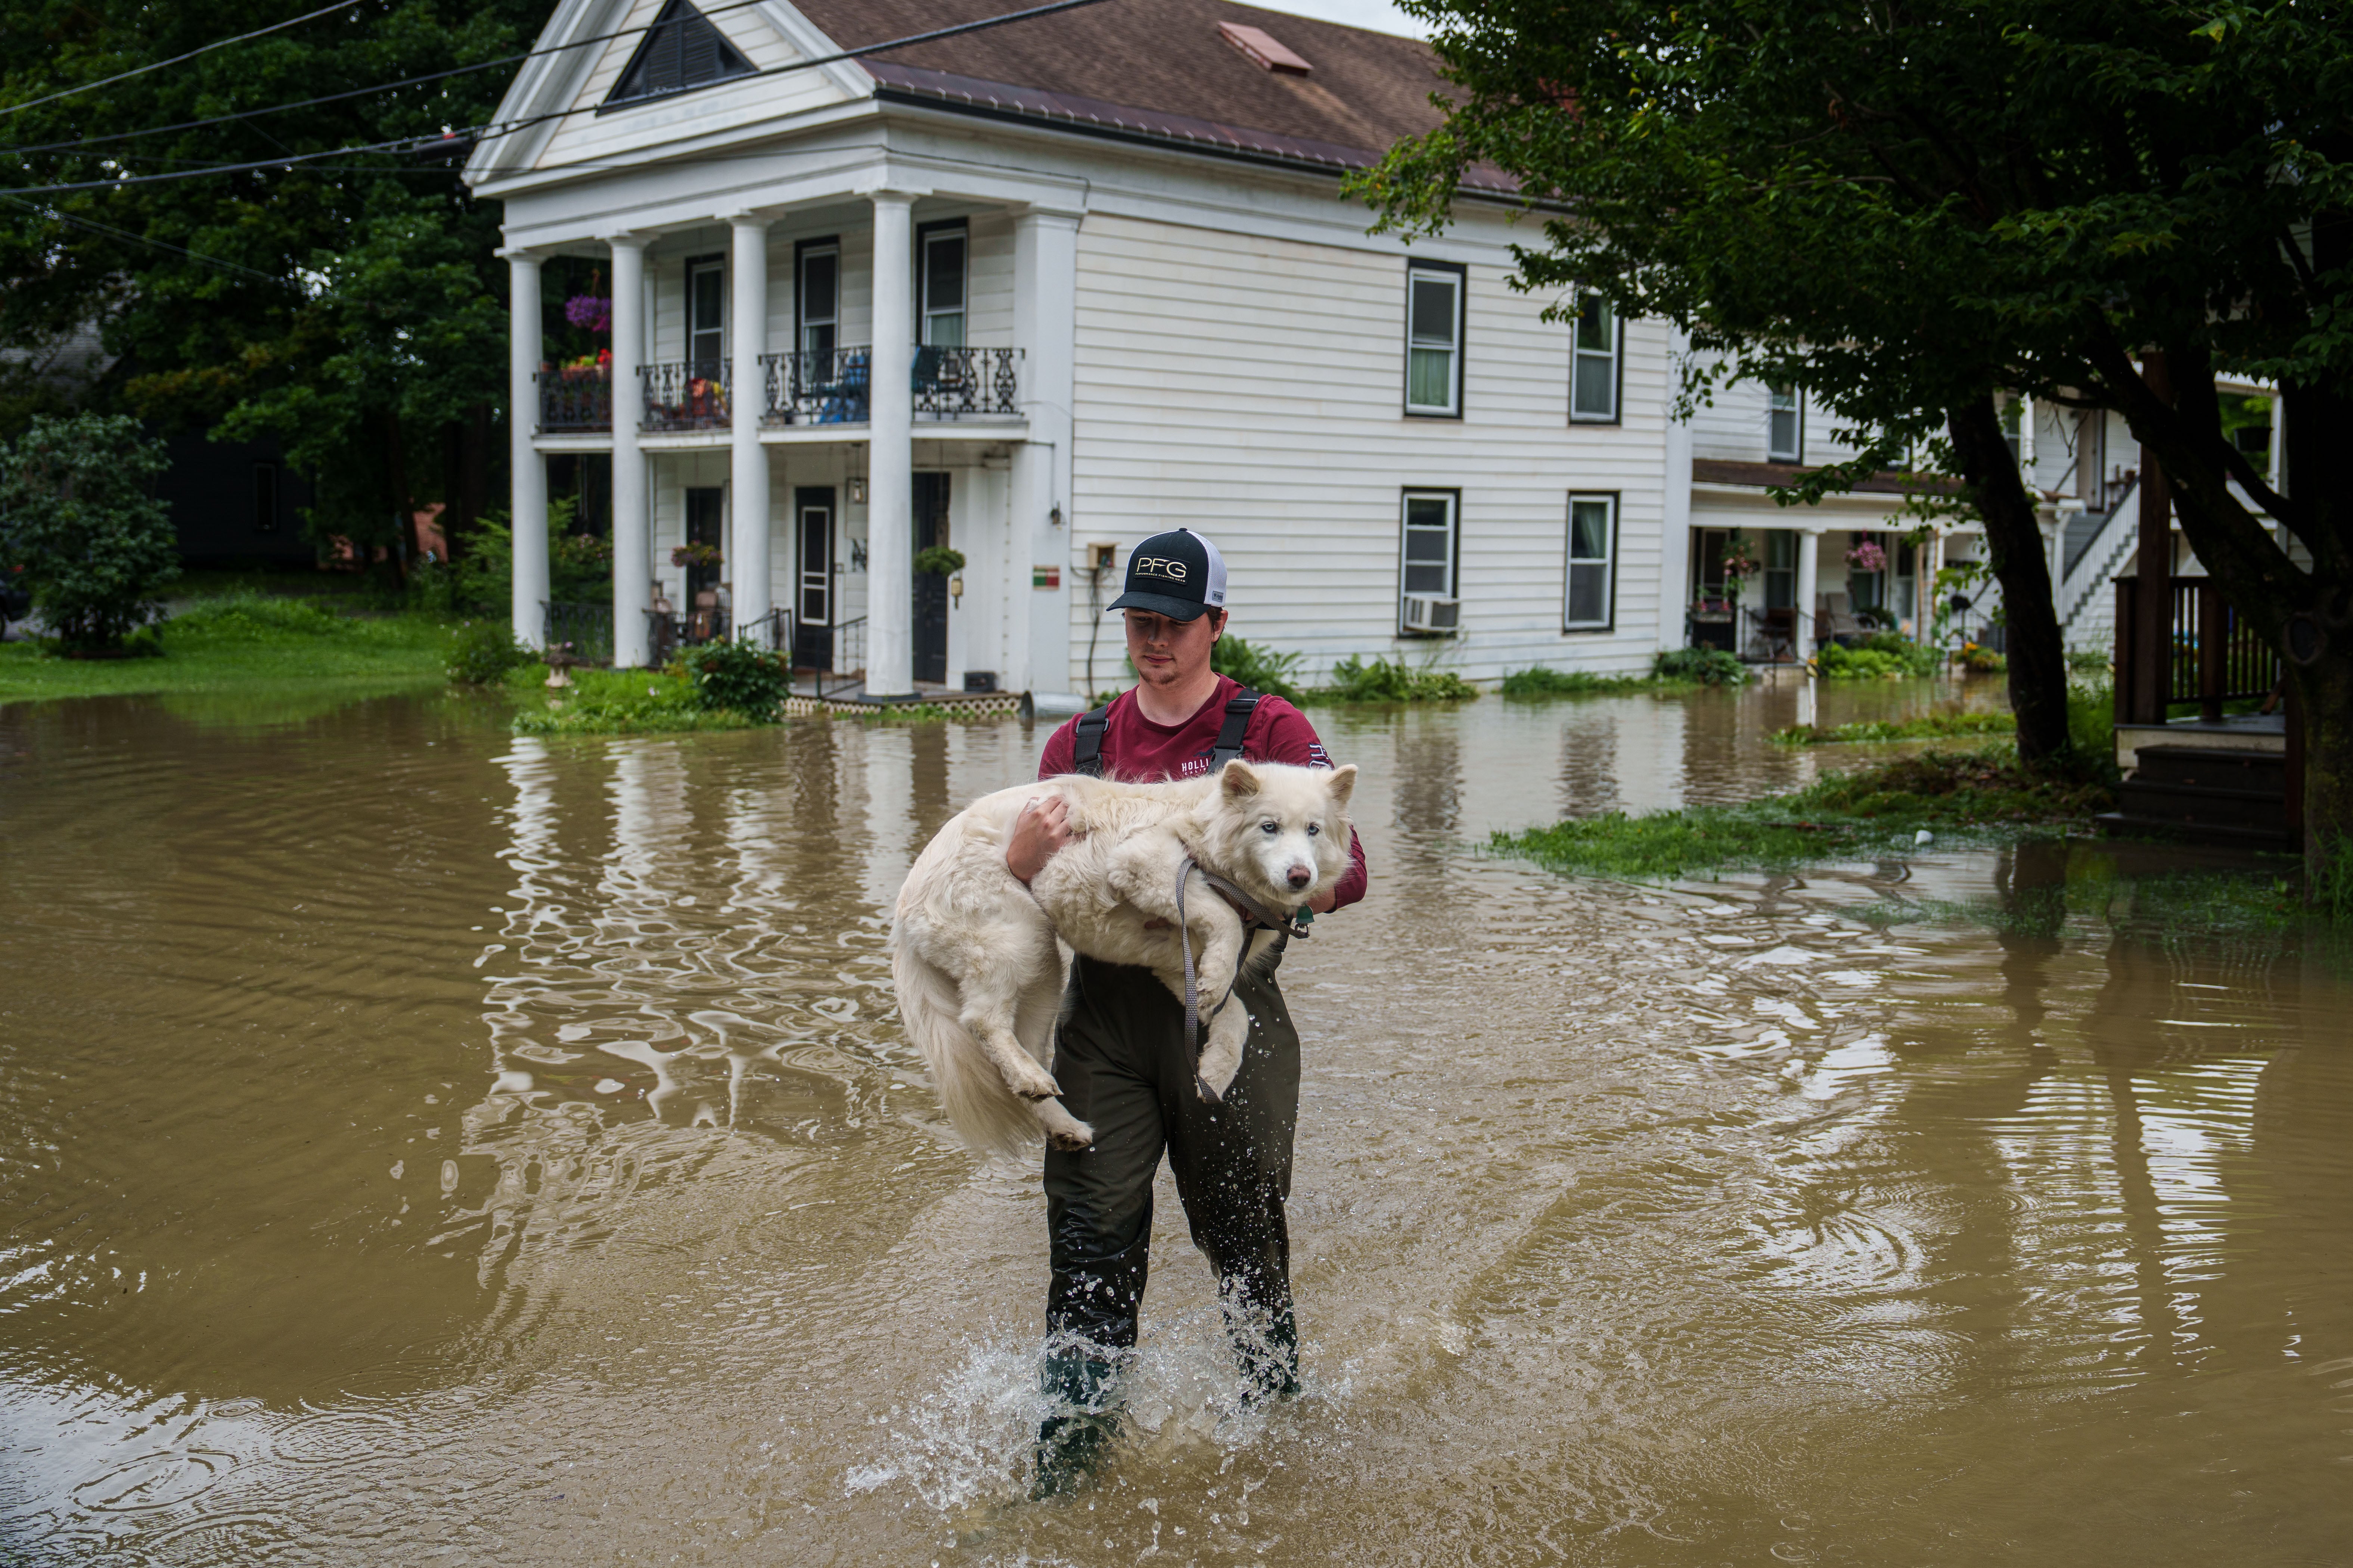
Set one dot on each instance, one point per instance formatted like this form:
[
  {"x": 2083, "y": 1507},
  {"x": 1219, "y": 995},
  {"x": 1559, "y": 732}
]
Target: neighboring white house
[{"x": 1125, "y": 294}]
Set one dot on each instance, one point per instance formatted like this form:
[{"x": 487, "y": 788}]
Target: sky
[{"x": 1377, "y": 15}]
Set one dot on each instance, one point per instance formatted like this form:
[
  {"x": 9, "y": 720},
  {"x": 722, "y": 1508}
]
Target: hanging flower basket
[
  {"x": 592, "y": 311},
  {"x": 695, "y": 555},
  {"x": 1740, "y": 559},
  {"x": 1867, "y": 556}
]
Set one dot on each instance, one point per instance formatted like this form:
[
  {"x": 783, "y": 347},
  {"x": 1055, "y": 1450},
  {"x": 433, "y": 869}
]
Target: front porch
[
  {"x": 789, "y": 425},
  {"x": 1777, "y": 594}
]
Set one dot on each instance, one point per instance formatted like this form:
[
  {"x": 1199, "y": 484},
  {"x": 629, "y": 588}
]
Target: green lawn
[{"x": 247, "y": 644}]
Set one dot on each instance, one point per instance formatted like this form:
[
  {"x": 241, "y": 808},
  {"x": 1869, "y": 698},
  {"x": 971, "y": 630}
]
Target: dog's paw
[
  {"x": 1071, "y": 1139},
  {"x": 1035, "y": 1083}
]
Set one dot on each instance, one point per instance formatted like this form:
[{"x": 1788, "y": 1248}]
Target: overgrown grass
[
  {"x": 1394, "y": 681},
  {"x": 1844, "y": 816},
  {"x": 246, "y": 641},
  {"x": 616, "y": 702},
  {"x": 1927, "y": 727},
  {"x": 1539, "y": 682}
]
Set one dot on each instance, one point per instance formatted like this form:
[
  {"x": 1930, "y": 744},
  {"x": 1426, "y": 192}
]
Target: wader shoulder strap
[
  {"x": 1238, "y": 709},
  {"x": 1086, "y": 746}
]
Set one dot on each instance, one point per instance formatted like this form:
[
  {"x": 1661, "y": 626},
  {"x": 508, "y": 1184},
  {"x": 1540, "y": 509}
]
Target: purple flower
[{"x": 589, "y": 311}]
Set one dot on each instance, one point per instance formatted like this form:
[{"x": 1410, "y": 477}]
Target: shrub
[
  {"x": 251, "y": 617},
  {"x": 83, "y": 531},
  {"x": 1537, "y": 682},
  {"x": 1883, "y": 656},
  {"x": 2089, "y": 661},
  {"x": 1387, "y": 680},
  {"x": 1259, "y": 667},
  {"x": 1982, "y": 660},
  {"x": 742, "y": 676},
  {"x": 1700, "y": 666},
  {"x": 579, "y": 567},
  {"x": 483, "y": 653},
  {"x": 1915, "y": 659}
]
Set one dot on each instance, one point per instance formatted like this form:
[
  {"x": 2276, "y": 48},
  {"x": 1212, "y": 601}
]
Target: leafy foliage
[
  {"x": 741, "y": 677},
  {"x": 1537, "y": 682},
  {"x": 1883, "y": 656},
  {"x": 1387, "y": 680},
  {"x": 1258, "y": 666},
  {"x": 579, "y": 567},
  {"x": 82, "y": 531},
  {"x": 1700, "y": 666},
  {"x": 1928, "y": 726},
  {"x": 939, "y": 559},
  {"x": 484, "y": 651},
  {"x": 619, "y": 703}
]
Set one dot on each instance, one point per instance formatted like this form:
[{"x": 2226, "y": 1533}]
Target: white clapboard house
[{"x": 1034, "y": 292}]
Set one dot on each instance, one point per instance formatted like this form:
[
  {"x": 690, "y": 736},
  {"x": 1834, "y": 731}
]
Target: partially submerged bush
[
  {"x": 83, "y": 531},
  {"x": 1700, "y": 667},
  {"x": 483, "y": 653},
  {"x": 739, "y": 676},
  {"x": 1537, "y": 682},
  {"x": 1256, "y": 667},
  {"x": 1883, "y": 656},
  {"x": 1388, "y": 680},
  {"x": 1928, "y": 726}
]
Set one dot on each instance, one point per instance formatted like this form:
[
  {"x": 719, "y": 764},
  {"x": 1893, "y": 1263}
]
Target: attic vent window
[
  {"x": 1262, "y": 50},
  {"x": 680, "y": 51}
]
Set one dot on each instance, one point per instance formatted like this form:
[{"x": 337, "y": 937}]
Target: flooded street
[{"x": 426, "y": 1145}]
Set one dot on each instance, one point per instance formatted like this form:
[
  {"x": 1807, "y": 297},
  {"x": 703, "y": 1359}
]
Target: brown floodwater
[{"x": 425, "y": 1145}]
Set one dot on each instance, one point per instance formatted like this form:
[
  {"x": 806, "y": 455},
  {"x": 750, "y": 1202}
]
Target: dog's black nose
[{"x": 1300, "y": 877}]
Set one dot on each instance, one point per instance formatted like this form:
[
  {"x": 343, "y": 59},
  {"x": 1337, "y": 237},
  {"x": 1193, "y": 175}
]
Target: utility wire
[
  {"x": 175, "y": 59},
  {"x": 356, "y": 91},
  {"x": 427, "y": 143},
  {"x": 142, "y": 239}
]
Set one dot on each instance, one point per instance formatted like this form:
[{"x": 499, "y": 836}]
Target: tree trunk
[
  {"x": 2038, "y": 663},
  {"x": 396, "y": 465},
  {"x": 2325, "y": 691}
]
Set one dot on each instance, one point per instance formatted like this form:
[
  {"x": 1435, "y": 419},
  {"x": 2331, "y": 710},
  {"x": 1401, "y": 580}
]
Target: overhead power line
[
  {"x": 112, "y": 232},
  {"x": 427, "y": 143},
  {"x": 356, "y": 91},
  {"x": 175, "y": 59}
]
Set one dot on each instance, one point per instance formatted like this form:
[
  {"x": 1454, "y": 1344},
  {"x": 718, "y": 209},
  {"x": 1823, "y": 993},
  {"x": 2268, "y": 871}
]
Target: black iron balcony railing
[
  {"x": 685, "y": 395},
  {"x": 815, "y": 388},
  {"x": 965, "y": 384},
  {"x": 576, "y": 399}
]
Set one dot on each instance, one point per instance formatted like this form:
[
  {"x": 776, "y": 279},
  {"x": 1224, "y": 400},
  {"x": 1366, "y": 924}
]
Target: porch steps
[{"x": 2207, "y": 794}]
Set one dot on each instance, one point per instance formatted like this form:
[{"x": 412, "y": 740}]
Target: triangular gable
[
  {"x": 577, "y": 83},
  {"x": 681, "y": 51}
]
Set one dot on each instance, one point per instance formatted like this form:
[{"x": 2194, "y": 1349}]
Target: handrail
[{"x": 2214, "y": 656}]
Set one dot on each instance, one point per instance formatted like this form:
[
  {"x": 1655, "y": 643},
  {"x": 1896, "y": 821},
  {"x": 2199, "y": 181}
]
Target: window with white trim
[
  {"x": 706, "y": 316},
  {"x": 820, "y": 300},
  {"x": 1785, "y": 425},
  {"x": 1591, "y": 600},
  {"x": 1433, "y": 334},
  {"x": 1428, "y": 565},
  {"x": 941, "y": 311},
  {"x": 1594, "y": 362}
]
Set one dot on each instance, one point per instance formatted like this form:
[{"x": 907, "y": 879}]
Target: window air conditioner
[{"x": 1424, "y": 614}]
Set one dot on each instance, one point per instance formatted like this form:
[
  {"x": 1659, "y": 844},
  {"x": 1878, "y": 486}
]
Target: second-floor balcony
[{"x": 830, "y": 387}]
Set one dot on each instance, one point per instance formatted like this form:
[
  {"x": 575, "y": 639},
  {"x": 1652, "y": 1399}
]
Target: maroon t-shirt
[{"x": 1133, "y": 747}]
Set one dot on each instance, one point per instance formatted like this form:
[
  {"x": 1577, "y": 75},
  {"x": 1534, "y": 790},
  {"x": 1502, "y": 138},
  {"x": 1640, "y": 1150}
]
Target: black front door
[
  {"x": 813, "y": 577},
  {"x": 930, "y": 587}
]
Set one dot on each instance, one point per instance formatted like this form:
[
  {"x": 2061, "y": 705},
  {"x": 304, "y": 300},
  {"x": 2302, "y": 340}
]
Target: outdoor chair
[
  {"x": 1775, "y": 631},
  {"x": 843, "y": 401},
  {"x": 1834, "y": 619}
]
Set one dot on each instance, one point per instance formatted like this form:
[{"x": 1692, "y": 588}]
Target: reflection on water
[{"x": 427, "y": 1143}]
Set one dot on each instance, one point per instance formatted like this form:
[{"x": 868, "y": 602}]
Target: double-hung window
[
  {"x": 706, "y": 325},
  {"x": 819, "y": 288},
  {"x": 940, "y": 311},
  {"x": 1785, "y": 425},
  {"x": 1594, "y": 361},
  {"x": 1592, "y": 597},
  {"x": 1433, "y": 338},
  {"x": 1429, "y": 568}
]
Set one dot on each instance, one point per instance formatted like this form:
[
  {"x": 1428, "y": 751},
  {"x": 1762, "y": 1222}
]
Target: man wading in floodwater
[{"x": 1121, "y": 1057}]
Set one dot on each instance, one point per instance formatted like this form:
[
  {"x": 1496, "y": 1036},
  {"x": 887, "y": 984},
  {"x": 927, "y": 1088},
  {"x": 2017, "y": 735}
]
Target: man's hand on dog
[{"x": 1039, "y": 835}]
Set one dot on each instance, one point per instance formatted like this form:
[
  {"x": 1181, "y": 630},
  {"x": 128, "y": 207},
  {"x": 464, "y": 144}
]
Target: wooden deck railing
[{"x": 2215, "y": 656}]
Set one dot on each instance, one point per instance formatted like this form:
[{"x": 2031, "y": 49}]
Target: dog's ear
[
  {"x": 1343, "y": 784},
  {"x": 1240, "y": 779}
]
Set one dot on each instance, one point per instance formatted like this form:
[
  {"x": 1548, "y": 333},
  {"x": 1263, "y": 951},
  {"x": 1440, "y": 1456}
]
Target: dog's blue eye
[
  {"x": 1268, "y": 827},
  {"x": 1314, "y": 829}
]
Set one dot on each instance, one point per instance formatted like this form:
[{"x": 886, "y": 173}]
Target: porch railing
[
  {"x": 826, "y": 388},
  {"x": 965, "y": 384},
  {"x": 575, "y": 400},
  {"x": 844, "y": 666},
  {"x": 2215, "y": 656},
  {"x": 685, "y": 395},
  {"x": 586, "y": 629},
  {"x": 773, "y": 631}
]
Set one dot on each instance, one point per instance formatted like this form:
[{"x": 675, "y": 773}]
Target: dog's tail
[{"x": 986, "y": 1114}]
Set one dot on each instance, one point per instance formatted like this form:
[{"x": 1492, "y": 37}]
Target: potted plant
[
  {"x": 1740, "y": 559},
  {"x": 1868, "y": 555},
  {"x": 696, "y": 556}
]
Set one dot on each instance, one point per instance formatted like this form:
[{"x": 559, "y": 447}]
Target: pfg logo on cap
[
  {"x": 1178, "y": 574},
  {"x": 1160, "y": 566}
]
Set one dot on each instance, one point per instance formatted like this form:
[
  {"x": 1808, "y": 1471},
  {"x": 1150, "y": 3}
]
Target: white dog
[{"x": 973, "y": 952}]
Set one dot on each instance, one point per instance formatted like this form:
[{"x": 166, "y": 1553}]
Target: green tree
[
  {"x": 79, "y": 526},
  {"x": 1911, "y": 206},
  {"x": 352, "y": 307}
]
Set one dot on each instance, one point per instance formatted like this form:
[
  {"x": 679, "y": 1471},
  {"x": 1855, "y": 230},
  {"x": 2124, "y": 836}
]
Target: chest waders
[{"x": 1121, "y": 1059}]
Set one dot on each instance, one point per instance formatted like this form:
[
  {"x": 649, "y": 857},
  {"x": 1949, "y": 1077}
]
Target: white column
[
  {"x": 529, "y": 509},
  {"x": 1810, "y": 552},
  {"x": 1675, "y": 547},
  {"x": 1045, "y": 328},
  {"x": 632, "y": 525},
  {"x": 747, "y": 551},
  {"x": 891, "y": 481}
]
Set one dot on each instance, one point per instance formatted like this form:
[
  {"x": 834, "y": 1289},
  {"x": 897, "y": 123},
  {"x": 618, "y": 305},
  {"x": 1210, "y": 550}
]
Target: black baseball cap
[{"x": 1178, "y": 574}]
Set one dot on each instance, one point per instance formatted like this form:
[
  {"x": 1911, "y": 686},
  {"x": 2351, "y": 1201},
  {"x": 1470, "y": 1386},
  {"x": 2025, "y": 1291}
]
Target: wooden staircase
[{"x": 2211, "y": 794}]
